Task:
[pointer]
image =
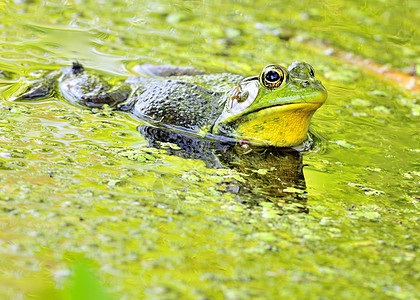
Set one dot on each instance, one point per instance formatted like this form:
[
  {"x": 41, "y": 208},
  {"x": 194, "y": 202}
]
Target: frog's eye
[{"x": 273, "y": 76}]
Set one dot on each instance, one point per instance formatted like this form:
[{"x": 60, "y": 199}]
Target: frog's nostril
[
  {"x": 311, "y": 71},
  {"x": 305, "y": 83}
]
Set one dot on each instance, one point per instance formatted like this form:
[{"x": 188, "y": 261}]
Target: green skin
[{"x": 187, "y": 101}]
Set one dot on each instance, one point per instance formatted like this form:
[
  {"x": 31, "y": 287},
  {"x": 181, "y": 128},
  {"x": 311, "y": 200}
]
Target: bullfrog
[{"x": 273, "y": 108}]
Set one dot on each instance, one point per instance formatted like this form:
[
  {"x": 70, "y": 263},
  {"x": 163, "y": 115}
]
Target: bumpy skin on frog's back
[
  {"x": 176, "y": 103},
  {"x": 181, "y": 101}
]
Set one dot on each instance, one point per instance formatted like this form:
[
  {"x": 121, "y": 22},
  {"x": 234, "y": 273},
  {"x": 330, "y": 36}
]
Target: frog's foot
[
  {"x": 35, "y": 89},
  {"x": 164, "y": 70}
]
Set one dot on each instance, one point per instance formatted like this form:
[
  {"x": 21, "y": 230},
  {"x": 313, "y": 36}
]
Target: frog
[{"x": 273, "y": 108}]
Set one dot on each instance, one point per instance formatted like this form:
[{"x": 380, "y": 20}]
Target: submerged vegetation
[{"x": 89, "y": 205}]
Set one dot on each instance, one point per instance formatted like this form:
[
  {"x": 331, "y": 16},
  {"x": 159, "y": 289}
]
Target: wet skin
[{"x": 272, "y": 109}]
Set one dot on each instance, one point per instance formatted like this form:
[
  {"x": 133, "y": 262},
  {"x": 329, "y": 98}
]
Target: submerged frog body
[
  {"x": 273, "y": 108},
  {"x": 276, "y": 171}
]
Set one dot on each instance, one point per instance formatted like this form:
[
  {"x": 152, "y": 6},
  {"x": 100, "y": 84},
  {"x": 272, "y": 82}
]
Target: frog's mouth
[
  {"x": 311, "y": 102},
  {"x": 285, "y": 106}
]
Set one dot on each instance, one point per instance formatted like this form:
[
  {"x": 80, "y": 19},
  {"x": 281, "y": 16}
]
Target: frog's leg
[
  {"x": 39, "y": 88},
  {"x": 76, "y": 85},
  {"x": 165, "y": 70},
  {"x": 79, "y": 86},
  {"x": 112, "y": 96}
]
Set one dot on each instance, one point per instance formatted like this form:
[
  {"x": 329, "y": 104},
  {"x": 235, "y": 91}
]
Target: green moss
[{"x": 82, "y": 185}]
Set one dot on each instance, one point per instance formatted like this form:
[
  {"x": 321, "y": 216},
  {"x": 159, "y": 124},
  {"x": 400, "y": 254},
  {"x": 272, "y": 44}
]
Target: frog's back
[
  {"x": 220, "y": 82},
  {"x": 176, "y": 103}
]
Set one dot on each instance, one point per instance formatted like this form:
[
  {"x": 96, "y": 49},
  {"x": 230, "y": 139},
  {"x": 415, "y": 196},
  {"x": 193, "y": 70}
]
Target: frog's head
[{"x": 274, "y": 108}]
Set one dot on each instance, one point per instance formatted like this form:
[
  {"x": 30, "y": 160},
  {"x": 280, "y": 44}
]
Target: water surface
[{"x": 83, "y": 185}]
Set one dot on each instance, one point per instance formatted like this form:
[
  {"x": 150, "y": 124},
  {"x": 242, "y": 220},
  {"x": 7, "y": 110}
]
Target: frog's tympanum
[{"x": 271, "y": 109}]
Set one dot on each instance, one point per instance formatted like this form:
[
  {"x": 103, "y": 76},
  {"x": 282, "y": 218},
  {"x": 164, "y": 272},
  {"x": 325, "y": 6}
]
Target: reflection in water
[{"x": 271, "y": 174}]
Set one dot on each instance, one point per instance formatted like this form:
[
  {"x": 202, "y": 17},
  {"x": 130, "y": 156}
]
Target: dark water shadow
[{"x": 272, "y": 175}]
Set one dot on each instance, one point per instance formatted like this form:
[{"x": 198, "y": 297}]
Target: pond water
[{"x": 87, "y": 207}]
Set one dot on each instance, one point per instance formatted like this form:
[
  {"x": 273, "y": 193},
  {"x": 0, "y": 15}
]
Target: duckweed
[{"x": 87, "y": 209}]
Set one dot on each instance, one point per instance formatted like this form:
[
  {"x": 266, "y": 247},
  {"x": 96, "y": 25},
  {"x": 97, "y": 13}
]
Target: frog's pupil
[{"x": 272, "y": 76}]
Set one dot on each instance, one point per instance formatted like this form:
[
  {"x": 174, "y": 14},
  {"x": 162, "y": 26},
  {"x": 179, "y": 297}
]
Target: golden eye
[{"x": 273, "y": 76}]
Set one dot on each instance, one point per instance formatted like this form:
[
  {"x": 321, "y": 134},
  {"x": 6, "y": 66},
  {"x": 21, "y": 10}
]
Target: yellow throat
[{"x": 280, "y": 126}]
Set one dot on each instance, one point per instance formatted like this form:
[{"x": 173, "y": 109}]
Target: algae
[{"x": 82, "y": 185}]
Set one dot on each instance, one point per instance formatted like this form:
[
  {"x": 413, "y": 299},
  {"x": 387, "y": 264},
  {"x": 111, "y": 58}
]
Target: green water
[{"x": 78, "y": 185}]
